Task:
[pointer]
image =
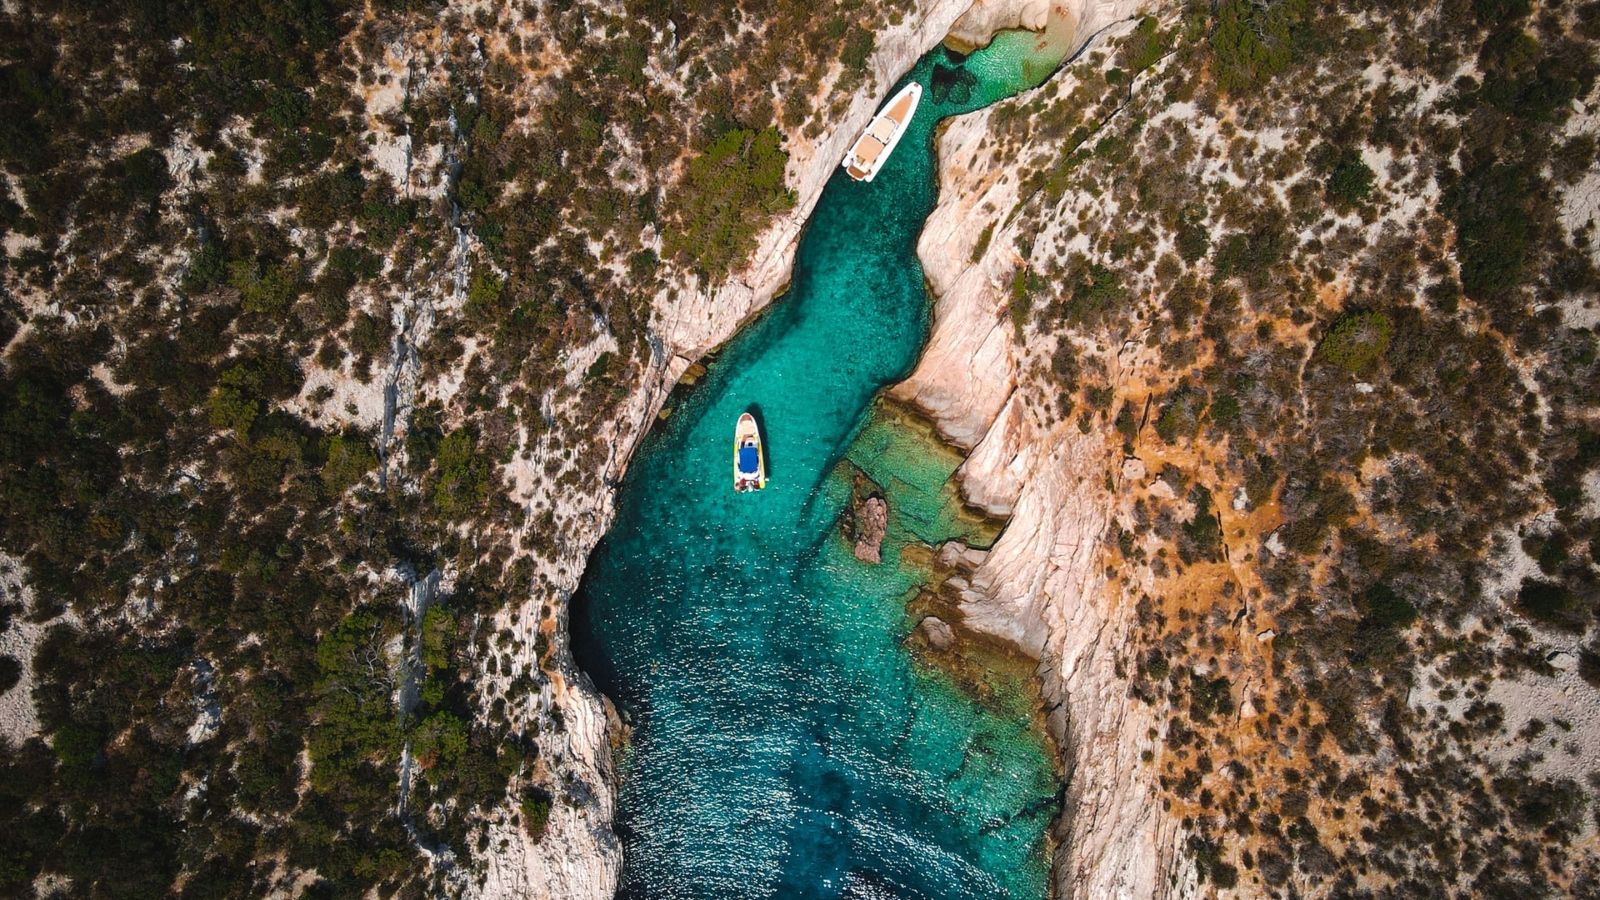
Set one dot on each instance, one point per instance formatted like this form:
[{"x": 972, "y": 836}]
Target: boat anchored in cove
[
  {"x": 749, "y": 464},
  {"x": 871, "y": 150}
]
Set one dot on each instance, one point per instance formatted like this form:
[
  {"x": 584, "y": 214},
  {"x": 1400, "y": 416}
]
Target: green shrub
[
  {"x": 643, "y": 264},
  {"x": 1193, "y": 239},
  {"x": 423, "y": 437},
  {"x": 1261, "y": 476},
  {"x": 1143, "y": 47},
  {"x": 266, "y": 293},
  {"x": 349, "y": 459},
  {"x": 1224, "y": 412},
  {"x": 1156, "y": 666},
  {"x": 463, "y": 482},
  {"x": 1253, "y": 41},
  {"x": 236, "y": 400},
  {"x": 208, "y": 268},
  {"x": 1589, "y": 664},
  {"x": 1251, "y": 254},
  {"x": 1350, "y": 182},
  {"x": 1491, "y": 207},
  {"x": 858, "y": 46},
  {"x": 984, "y": 237},
  {"x": 1493, "y": 12},
  {"x": 1357, "y": 341},
  {"x": 438, "y": 630},
  {"x": 1127, "y": 422},
  {"x": 10, "y": 673},
  {"x": 725, "y": 199},
  {"x": 1021, "y": 306},
  {"x": 353, "y": 717},
  {"x": 1539, "y": 802},
  {"x": 1384, "y": 608},
  {"x": 483, "y": 307},
  {"x": 1093, "y": 295},
  {"x": 1202, "y": 535},
  {"x": 441, "y": 740},
  {"x": 1524, "y": 81},
  {"x": 261, "y": 467},
  {"x": 536, "y": 806},
  {"x": 1180, "y": 418},
  {"x": 1208, "y": 696},
  {"x": 1551, "y": 604}
]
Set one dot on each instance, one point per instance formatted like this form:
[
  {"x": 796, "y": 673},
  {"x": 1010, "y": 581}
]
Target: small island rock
[
  {"x": 872, "y": 520},
  {"x": 937, "y": 632}
]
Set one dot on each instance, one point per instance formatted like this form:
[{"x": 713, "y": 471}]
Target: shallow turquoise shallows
[{"x": 785, "y": 744}]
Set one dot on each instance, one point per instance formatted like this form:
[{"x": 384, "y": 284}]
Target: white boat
[
  {"x": 749, "y": 462},
  {"x": 871, "y": 150}
]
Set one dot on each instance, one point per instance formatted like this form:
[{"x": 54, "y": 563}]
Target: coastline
[
  {"x": 1042, "y": 587},
  {"x": 697, "y": 323}
]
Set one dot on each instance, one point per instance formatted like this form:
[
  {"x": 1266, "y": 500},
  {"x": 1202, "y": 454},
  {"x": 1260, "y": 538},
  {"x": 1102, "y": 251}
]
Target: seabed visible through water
[{"x": 786, "y": 741}]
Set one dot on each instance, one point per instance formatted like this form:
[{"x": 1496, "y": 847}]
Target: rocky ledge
[{"x": 868, "y": 522}]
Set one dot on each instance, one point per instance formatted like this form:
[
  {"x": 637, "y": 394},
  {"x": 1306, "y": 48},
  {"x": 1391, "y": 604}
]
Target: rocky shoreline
[
  {"x": 1041, "y": 587},
  {"x": 1038, "y": 589}
]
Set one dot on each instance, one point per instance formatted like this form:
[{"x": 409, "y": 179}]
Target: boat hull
[
  {"x": 873, "y": 148},
  {"x": 747, "y": 436}
]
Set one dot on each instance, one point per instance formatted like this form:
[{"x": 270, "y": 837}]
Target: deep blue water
[{"x": 785, "y": 744}]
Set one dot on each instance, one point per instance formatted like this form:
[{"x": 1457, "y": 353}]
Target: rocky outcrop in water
[
  {"x": 937, "y": 632},
  {"x": 871, "y": 521}
]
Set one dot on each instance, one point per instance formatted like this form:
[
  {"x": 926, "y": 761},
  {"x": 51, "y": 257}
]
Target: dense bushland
[{"x": 211, "y": 266}]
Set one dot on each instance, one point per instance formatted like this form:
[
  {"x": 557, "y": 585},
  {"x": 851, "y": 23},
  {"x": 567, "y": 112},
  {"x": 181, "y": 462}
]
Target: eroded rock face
[
  {"x": 968, "y": 370},
  {"x": 1080, "y": 18},
  {"x": 985, "y": 17},
  {"x": 1041, "y": 586}
]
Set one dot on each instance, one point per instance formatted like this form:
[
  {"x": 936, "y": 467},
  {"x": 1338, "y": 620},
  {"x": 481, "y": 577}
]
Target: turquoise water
[{"x": 785, "y": 744}]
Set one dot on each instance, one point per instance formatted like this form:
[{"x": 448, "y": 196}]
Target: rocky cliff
[
  {"x": 1196, "y": 326},
  {"x": 1042, "y": 584}
]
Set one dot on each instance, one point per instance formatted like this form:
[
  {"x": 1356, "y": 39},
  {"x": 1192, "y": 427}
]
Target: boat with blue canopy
[{"x": 749, "y": 465}]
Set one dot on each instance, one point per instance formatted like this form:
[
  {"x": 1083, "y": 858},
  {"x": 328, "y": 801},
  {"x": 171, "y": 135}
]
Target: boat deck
[
  {"x": 878, "y": 140},
  {"x": 899, "y": 110}
]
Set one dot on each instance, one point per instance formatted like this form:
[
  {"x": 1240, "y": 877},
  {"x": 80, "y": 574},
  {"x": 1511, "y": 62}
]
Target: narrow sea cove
[{"x": 785, "y": 742}]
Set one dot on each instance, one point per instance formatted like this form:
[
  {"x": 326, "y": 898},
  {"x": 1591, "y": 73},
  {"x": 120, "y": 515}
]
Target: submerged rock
[
  {"x": 937, "y": 632},
  {"x": 694, "y": 373},
  {"x": 871, "y": 521}
]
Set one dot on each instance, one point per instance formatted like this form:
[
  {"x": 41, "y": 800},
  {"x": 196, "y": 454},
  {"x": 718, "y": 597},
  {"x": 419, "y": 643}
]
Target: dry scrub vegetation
[
  {"x": 1326, "y": 272},
  {"x": 312, "y": 312}
]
